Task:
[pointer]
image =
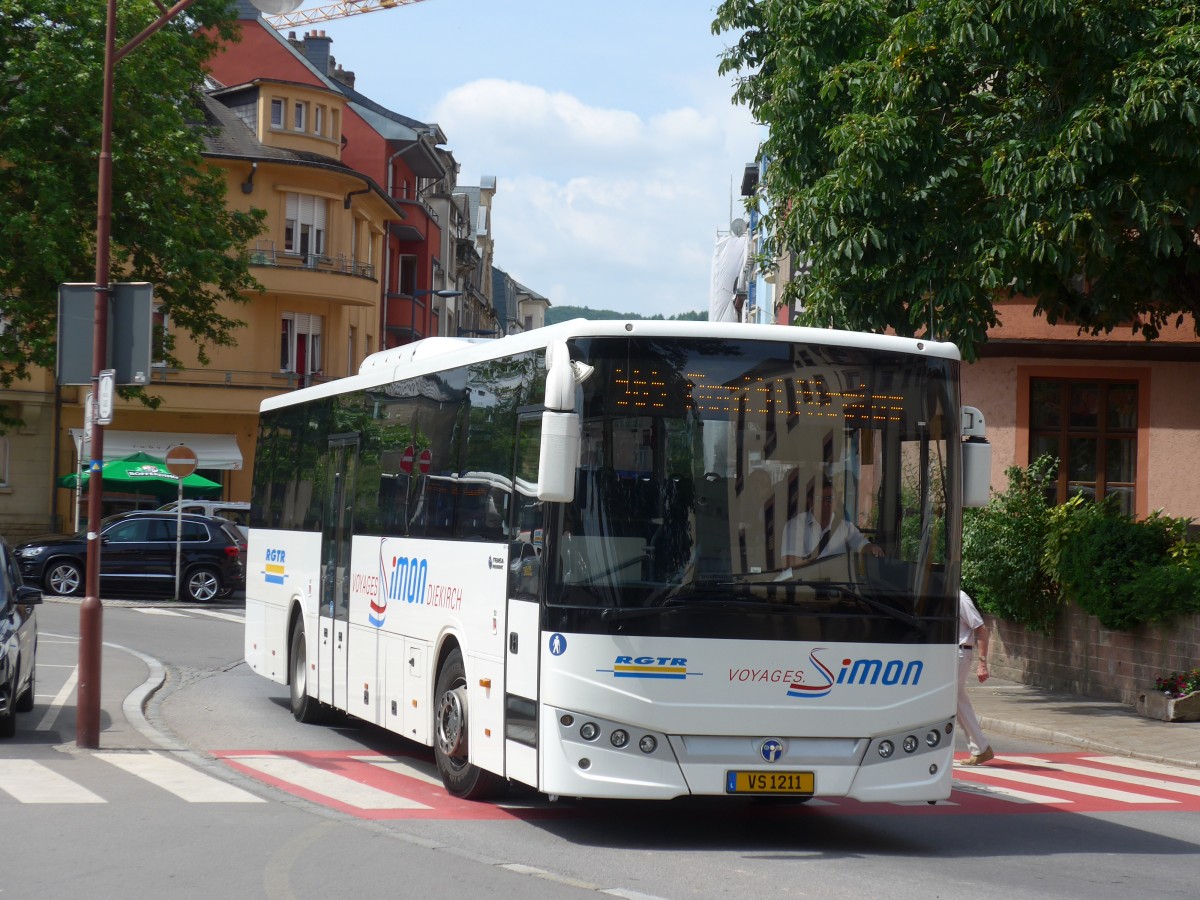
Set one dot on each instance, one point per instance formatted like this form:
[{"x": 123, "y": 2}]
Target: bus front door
[
  {"x": 523, "y": 620},
  {"x": 333, "y": 627}
]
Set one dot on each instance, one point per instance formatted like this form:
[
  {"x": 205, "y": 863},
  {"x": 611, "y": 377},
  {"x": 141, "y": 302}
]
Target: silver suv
[{"x": 235, "y": 512}]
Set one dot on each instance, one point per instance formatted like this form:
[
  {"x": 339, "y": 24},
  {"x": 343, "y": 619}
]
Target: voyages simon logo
[
  {"x": 820, "y": 680},
  {"x": 404, "y": 579}
]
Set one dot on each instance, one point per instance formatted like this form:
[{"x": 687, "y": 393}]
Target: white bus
[{"x": 588, "y": 558}]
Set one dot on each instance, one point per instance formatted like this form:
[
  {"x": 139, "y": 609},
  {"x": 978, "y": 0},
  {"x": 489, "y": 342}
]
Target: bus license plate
[{"x": 769, "y": 783}]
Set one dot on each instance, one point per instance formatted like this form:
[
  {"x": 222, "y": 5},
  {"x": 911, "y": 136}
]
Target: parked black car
[
  {"x": 18, "y": 642},
  {"x": 137, "y": 551}
]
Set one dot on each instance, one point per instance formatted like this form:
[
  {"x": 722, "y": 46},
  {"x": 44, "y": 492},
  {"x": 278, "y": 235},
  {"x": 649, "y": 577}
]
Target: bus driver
[{"x": 808, "y": 538}]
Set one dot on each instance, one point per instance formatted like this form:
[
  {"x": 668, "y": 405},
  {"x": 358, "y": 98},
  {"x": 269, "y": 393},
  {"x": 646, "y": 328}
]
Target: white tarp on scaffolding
[
  {"x": 728, "y": 273},
  {"x": 213, "y": 451}
]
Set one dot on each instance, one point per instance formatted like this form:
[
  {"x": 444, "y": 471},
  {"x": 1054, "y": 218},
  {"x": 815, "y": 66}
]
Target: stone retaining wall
[{"x": 1082, "y": 657}]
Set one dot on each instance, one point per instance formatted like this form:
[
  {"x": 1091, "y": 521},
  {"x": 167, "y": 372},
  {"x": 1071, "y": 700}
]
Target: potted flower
[{"x": 1175, "y": 698}]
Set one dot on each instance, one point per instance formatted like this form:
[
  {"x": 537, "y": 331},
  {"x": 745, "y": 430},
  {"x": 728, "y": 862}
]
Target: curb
[
  {"x": 1033, "y": 732},
  {"x": 134, "y": 705}
]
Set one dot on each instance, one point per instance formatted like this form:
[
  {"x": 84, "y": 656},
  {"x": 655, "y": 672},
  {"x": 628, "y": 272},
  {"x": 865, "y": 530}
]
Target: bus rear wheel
[{"x": 450, "y": 747}]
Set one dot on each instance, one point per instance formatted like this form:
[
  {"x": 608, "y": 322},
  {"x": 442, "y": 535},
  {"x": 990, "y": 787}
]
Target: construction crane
[{"x": 331, "y": 11}]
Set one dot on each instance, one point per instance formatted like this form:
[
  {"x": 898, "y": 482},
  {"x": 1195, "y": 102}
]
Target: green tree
[
  {"x": 926, "y": 158},
  {"x": 170, "y": 224}
]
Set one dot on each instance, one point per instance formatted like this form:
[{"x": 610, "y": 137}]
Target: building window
[
  {"x": 3, "y": 461},
  {"x": 161, "y": 326},
  {"x": 1090, "y": 427},
  {"x": 276, "y": 113},
  {"x": 300, "y": 345},
  {"x": 351, "y": 350},
  {"x": 319, "y": 120},
  {"x": 299, "y": 116},
  {"x": 304, "y": 227},
  {"x": 407, "y": 275}
]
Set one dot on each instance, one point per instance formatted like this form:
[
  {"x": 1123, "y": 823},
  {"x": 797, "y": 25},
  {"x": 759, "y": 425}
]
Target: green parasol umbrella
[{"x": 141, "y": 473}]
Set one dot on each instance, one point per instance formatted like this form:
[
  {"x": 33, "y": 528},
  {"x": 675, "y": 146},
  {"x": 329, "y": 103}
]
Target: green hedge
[
  {"x": 1023, "y": 557},
  {"x": 1002, "y": 550}
]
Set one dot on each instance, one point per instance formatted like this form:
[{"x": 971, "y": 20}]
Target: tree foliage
[
  {"x": 926, "y": 158},
  {"x": 170, "y": 224}
]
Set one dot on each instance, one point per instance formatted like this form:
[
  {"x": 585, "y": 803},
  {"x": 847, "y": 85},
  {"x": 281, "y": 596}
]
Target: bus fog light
[
  {"x": 886, "y": 749},
  {"x": 585, "y": 763},
  {"x": 648, "y": 744},
  {"x": 589, "y": 731},
  {"x": 933, "y": 738},
  {"x": 911, "y": 743},
  {"x": 619, "y": 738},
  {"x": 567, "y": 720}
]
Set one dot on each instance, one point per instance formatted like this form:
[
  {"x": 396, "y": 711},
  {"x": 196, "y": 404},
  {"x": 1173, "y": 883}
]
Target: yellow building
[{"x": 318, "y": 316}]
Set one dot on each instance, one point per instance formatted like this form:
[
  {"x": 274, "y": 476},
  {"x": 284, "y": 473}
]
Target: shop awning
[{"x": 213, "y": 451}]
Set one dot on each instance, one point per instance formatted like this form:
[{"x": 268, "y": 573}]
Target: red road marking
[{"x": 991, "y": 789}]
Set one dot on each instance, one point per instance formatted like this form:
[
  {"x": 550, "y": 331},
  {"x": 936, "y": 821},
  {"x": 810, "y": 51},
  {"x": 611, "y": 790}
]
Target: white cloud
[{"x": 601, "y": 207}]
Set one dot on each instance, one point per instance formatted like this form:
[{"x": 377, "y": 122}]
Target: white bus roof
[{"x": 438, "y": 353}]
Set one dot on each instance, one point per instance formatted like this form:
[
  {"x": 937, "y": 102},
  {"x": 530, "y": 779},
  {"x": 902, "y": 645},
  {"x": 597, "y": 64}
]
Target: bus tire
[
  {"x": 305, "y": 708},
  {"x": 450, "y": 748}
]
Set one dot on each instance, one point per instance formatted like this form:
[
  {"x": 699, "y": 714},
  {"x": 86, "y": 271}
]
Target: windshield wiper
[
  {"x": 691, "y": 604},
  {"x": 846, "y": 590}
]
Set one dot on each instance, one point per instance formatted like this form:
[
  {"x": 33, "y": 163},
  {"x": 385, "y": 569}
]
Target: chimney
[
  {"x": 316, "y": 51},
  {"x": 341, "y": 75}
]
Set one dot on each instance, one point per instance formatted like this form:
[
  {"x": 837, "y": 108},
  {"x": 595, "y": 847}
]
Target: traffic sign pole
[{"x": 181, "y": 462}]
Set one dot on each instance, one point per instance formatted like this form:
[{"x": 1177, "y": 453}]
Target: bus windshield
[{"x": 765, "y": 477}]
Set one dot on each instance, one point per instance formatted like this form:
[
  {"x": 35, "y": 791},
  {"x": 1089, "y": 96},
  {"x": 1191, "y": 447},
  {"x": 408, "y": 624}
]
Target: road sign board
[
  {"x": 424, "y": 460},
  {"x": 181, "y": 461},
  {"x": 406, "y": 459}
]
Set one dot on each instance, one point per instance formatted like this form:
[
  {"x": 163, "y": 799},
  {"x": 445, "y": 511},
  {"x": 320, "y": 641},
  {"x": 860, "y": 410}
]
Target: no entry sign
[{"x": 181, "y": 461}]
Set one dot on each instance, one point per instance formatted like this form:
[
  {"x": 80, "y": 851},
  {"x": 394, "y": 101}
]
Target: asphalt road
[{"x": 283, "y": 834}]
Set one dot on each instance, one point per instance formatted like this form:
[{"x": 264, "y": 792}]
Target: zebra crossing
[
  {"x": 38, "y": 781},
  {"x": 370, "y": 785}
]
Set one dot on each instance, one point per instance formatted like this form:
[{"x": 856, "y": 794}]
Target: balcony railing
[
  {"x": 235, "y": 378},
  {"x": 340, "y": 264}
]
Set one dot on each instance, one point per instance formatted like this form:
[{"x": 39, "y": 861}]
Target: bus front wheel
[
  {"x": 305, "y": 707},
  {"x": 450, "y": 747}
]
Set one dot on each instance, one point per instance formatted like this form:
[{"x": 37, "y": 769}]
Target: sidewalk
[{"x": 1101, "y": 726}]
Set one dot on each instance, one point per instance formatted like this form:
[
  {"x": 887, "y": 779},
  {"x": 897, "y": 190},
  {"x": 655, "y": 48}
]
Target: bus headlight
[
  {"x": 886, "y": 749},
  {"x": 619, "y": 738},
  {"x": 648, "y": 744},
  {"x": 910, "y": 743},
  {"x": 933, "y": 738},
  {"x": 589, "y": 731}
]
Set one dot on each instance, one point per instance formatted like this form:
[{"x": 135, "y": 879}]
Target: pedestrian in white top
[
  {"x": 972, "y": 636},
  {"x": 808, "y": 538}
]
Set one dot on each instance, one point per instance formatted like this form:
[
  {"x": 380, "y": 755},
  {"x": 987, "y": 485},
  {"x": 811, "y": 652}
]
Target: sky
[{"x": 617, "y": 150}]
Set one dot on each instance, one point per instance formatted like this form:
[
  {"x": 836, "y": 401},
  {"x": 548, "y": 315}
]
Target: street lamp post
[
  {"x": 91, "y": 613},
  {"x": 444, "y": 294}
]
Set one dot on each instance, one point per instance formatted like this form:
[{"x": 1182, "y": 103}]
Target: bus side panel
[
  {"x": 485, "y": 722},
  {"x": 281, "y": 567},
  {"x": 411, "y": 593},
  {"x": 366, "y": 675}
]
